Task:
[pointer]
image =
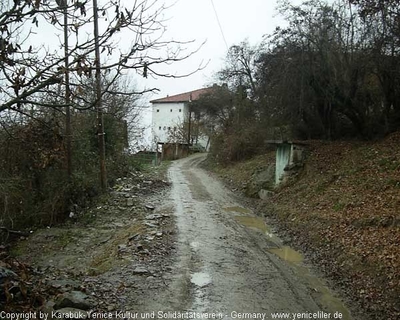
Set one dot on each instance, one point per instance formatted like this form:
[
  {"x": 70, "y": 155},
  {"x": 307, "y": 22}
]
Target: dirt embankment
[
  {"x": 112, "y": 252},
  {"x": 342, "y": 208}
]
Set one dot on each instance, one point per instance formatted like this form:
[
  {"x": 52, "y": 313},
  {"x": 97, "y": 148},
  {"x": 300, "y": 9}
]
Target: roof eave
[{"x": 183, "y": 101}]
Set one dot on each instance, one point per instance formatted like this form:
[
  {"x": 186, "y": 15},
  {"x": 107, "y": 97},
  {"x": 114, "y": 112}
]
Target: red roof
[{"x": 183, "y": 97}]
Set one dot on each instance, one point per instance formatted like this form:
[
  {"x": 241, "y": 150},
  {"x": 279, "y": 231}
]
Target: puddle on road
[
  {"x": 238, "y": 210},
  {"x": 200, "y": 279},
  {"x": 287, "y": 254},
  {"x": 325, "y": 295},
  {"x": 295, "y": 258},
  {"x": 253, "y": 222}
]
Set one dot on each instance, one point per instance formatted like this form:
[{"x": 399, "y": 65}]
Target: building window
[
  {"x": 164, "y": 128},
  {"x": 159, "y": 128},
  {"x": 169, "y": 128},
  {"x": 180, "y": 110},
  {"x": 158, "y": 110},
  {"x": 174, "y": 128},
  {"x": 171, "y": 110}
]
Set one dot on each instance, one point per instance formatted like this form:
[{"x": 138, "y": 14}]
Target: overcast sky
[
  {"x": 196, "y": 20},
  {"x": 187, "y": 20}
]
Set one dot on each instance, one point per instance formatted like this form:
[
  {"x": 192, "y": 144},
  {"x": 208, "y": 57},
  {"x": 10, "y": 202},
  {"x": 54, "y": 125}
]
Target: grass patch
[{"x": 339, "y": 206}]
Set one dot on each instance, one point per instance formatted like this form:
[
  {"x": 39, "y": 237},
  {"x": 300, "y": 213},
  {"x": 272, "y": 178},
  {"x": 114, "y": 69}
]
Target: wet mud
[
  {"x": 229, "y": 260},
  {"x": 197, "y": 248}
]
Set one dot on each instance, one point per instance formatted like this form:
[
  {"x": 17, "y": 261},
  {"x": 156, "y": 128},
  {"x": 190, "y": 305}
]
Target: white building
[{"x": 171, "y": 122}]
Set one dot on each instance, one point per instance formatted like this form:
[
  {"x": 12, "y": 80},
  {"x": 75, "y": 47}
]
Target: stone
[
  {"x": 264, "y": 179},
  {"x": 149, "y": 207},
  {"x": 122, "y": 248},
  {"x": 159, "y": 234},
  {"x": 134, "y": 237},
  {"x": 119, "y": 224},
  {"x": 74, "y": 299},
  {"x": 6, "y": 274},
  {"x": 111, "y": 307},
  {"x": 64, "y": 285},
  {"x": 151, "y": 225},
  {"x": 140, "y": 270},
  {"x": 265, "y": 194},
  {"x": 154, "y": 216},
  {"x": 145, "y": 252},
  {"x": 130, "y": 202}
]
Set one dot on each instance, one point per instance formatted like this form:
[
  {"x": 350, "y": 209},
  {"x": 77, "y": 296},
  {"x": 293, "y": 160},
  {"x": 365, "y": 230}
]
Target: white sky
[
  {"x": 196, "y": 20},
  {"x": 188, "y": 20}
]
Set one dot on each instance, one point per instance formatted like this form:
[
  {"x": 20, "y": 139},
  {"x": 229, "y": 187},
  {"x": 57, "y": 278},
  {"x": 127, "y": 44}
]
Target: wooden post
[
  {"x": 156, "y": 154},
  {"x": 189, "y": 124},
  {"x": 99, "y": 107},
  {"x": 64, "y": 5}
]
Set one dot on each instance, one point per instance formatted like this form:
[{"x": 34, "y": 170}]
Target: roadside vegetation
[
  {"x": 342, "y": 211},
  {"x": 69, "y": 101},
  {"x": 330, "y": 77},
  {"x": 35, "y": 189},
  {"x": 91, "y": 250},
  {"x": 332, "y": 71}
]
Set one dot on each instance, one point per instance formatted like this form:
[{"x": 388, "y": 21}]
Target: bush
[
  {"x": 34, "y": 187},
  {"x": 238, "y": 144}
]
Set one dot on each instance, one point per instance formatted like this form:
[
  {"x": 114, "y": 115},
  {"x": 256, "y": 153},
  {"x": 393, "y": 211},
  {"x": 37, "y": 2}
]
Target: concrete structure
[
  {"x": 171, "y": 122},
  {"x": 289, "y": 155}
]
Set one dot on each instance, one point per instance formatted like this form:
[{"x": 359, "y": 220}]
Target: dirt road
[
  {"x": 189, "y": 251},
  {"x": 227, "y": 260}
]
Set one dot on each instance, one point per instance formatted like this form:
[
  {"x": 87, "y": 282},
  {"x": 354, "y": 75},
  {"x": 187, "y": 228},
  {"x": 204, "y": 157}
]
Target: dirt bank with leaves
[{"x": 342, "y": 209}]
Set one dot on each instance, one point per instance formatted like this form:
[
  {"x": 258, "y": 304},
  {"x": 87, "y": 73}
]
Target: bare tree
[
  {"x": 27, "y": 69},
  {"x": 240, "y": 67}
]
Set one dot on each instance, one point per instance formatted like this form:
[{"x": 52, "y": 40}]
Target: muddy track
[
  {"x": 195, "y": 249},
  {"x": 226, "y": 259}
]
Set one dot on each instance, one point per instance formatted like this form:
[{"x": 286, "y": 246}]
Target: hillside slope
[{"x": 343, "y": 209}]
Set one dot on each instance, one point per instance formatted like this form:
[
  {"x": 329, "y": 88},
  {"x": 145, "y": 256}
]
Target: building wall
[{"x": 167, "y": 116}]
